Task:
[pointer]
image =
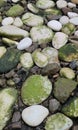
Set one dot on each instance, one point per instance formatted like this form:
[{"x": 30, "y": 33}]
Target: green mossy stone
[
  {"x": 68, "y": 53},
  {"x": 52, "y": 11},
  {"x": 8, "y": 98},
  {"x": 15, "y": 10},
  {"x": 2, "y": 3},
  {"x": 35, "y": 89},
  {"x": 71, "y": 108},
  {"x": 58, "y": 121},
  {"x": 63, "y": 88},
  {"x": 9, "y": 60}
]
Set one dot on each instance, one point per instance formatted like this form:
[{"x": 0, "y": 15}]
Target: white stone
[
  {"x": 71, "y": 5},
  {"x": 26, "y": 60},
  {"x": 72, "y": 14},
  {"x": 74, "y": 20},
  {"x": 2, "y": 51},
  {"x": 7, "y": 21},
  {"x": 18, "y": 22},
  {"x": 15, "y": 1},
  {"x": 34, "y": 115},
  {"x": 76, "y": 33},
  {"x": 24, "y": 43},
  {"x": 61, "y": 4},
  {"x": 55, "y": 25},
  {"x": 64, "y": 20},
  {"x": 59, "y": 40}
]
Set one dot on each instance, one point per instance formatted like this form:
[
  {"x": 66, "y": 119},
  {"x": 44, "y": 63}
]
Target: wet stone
[
  {"x": 53, "y": 105},
  {"x": 16, "y": 117}
]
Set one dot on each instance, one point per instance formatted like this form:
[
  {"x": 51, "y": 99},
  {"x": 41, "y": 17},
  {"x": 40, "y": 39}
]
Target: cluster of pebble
[{"x": 41, "y": 33}]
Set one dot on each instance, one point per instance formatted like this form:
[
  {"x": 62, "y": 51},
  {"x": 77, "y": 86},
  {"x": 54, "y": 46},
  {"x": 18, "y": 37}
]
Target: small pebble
[
  {"x": 64, "y": 20},
  {"x": 24, "y": 43},
  {"x": 71, "y": 5},
  {"x": 7, "y": 21},
  {"x": 61, "y": 4},
  {"x": 72, "y": 14},
  {"x": 76, "y": 33},
  {"x": 18, "y": 22},
  {"x": 55, "y": 25},
  {"x": 34, "y": 115},
  {"x": 15, "y": 1},
  {"x": 53, "y": 105},
  {"x": 74, "y": 20}
]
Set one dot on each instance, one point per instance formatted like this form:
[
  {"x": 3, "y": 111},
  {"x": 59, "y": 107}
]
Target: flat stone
[
  {"x": 37, "y": 114},
  {"x": 53, "y": 105},
  {"x": 2, "y": 51},
  {"x": 72, "y": 14},
  {"x": 18, "y": 22},
  {"x": 61, "y": 4},
  {"x": 64, "y": 20},
  {"x": 74, "y": 20},
  {"x": 71, "y": 5},
  {"x": 7, "y": 21}
]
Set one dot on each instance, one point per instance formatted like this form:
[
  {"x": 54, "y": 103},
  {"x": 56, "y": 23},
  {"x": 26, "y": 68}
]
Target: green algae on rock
[
  {"x": 2, "y": 2},
  {"x": 9, "y": 60},
  {"x": 58, "y": 121},
  {"x": 9, "y": 42},
  {"x": 36, "y": 89},
  {"x": 41, "y": 34},
  {"x": 71, "y": 108},
  {"x": 68, "y": 53},
  {"x": 63, "y": 88},
  {"x": 8, "y": 98},
  {"x": 15, "y": 10}
]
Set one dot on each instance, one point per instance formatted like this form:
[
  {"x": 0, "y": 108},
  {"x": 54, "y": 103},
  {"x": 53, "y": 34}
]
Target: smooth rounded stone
[
  {"x": 24, "y": 43},
  {"x": 40, "y": 59},
  {"x": 52, "y": 54},
  {"x": 32, "y": 20},
  {"x": 15, "y": 1},
  {"x": 9, "y": 42},
  {"x": 37, "y": 114},
  {"x": 67, "y": 73},
  {"x": 55, "y": 25},
  {"x": 2, "y": 51},
  {"x": 73, "y": 64},
  {"x": 68, "y": 53},
  {"x": 50, "y": 69},
  {"x": 36, "y": 89},
  {"x": 59, "y": 40},
  {"x": 64, "y": 20},
  {"x": 71, "y": 5},
  {"x": 68, "y": 28},
  {"x": 65, "y": 10},
  {"x": 74, "y": 1},
  {"x": 15, "y": 10},
  {"x": 2, "y": 2},
  {"x": 61, "y": 4},
  {"x": 75, "y": 9},
  {"x": 8, "y": 98},
  {"x": 42, "y": 4},
  {"x": 53, "y": 105},
  {"x": 7, "y": 21},
  {"x": 58, "y": 121},
  {"x": 12, "y": 31},
  {"x": 18, "y": 22},
  {"x": 26, "y": 60},
  {"x": 63, "y": 88},
  {"x": 71, "y": 108},
  {"x": 74, "y": 20},
  {"x": 52, "y": 11},
  {"x": 76, "y": 33},
  {"x": 72, "y": 14},
  {"x": 32, "y": 8},
  {"x": 41, "y": 34}
]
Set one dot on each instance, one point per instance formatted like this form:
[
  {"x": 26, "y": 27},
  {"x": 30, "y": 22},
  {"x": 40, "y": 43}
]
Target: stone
[
  {"x": 59, "y": 40},
  {"x": 26, "y": 60},
  {"x": 61, "y": 4},
  {"x": 52, "y": 11},
  {"x": 58, "y": 121},
  {"x": 74, "y": 20},
  {"x": 8, "y": 98},
  {"x": 76, "y": 33},
  {"x": 53, "y": 105},
  {"x": 65, "y": 10},
  {"x": 32, "y": 8},
  {"x": 42, "y": 4},
  {"x": 55, "y": 25},
  {"x": 2, "y": 51},
  {"x": 64, "y": 20},
  {"x": 2, "y": 2},
  {"x": 68, "y": 53},
  {"x": 18, "y": 22},
  {"x": 63, "y": 88},
  {"x": 72, "y": 14},
  {"x": 52, "y": 54},
  {"x": 32, "y": 20},
  {"x": 15, "y": 1},
  {"x": 40, "y": 59},
  {"x": 16, "y": 116},
  {"x": 9, "y": 42},
  {"x": 41, "y": 34},
  {"x": 71, "y": 5},
  {"x": 35, "y": 89},
  {"x": 71, "y": 108},
  {"x": 74, "y": 1},
  {"x": 12, "y": 32},
  {"x": 7, "y": 21},
  {"x": 37, "y": 114},
  {"x": 24, "y": 43},
  {"x": 67, "y": 73},
  {"x": 15, "y": 10}
]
